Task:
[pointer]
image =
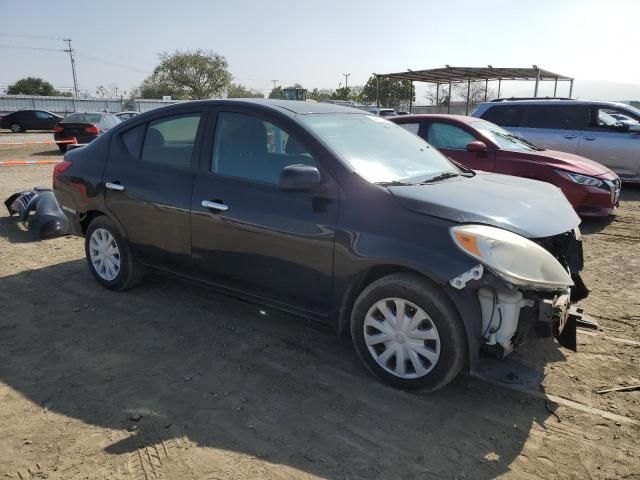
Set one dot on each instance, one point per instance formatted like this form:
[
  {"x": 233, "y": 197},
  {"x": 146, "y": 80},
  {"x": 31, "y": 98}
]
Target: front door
[
  {"x": 611, "y": 144},
  {"x": 452, "y": 141},
  {"x": 148, "y": 183},
  {"x": 253, "y": 237}
]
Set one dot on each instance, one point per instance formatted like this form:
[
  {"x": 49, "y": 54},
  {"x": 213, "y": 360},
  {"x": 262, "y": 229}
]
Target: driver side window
[{"x": 248, "y": 147}]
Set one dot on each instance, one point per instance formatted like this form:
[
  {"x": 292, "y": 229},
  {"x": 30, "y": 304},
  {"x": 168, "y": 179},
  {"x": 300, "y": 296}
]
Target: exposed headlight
[
  {"x": 581, "y": 179},
  {"x": 513, "y": 257}
]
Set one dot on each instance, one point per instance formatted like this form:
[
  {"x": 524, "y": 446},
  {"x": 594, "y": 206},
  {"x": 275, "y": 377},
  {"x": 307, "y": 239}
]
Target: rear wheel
[
  {"x": 62, "y": 147},
  {"x": 16, "y": 128},
  {"x": 408, "y": 334},
  {"x": 109, "y": 256}
]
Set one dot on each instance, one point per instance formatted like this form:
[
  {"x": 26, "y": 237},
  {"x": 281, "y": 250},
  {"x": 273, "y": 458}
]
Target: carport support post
[
  {"x": 571, "y": 88},
  {"x": 486, "y": 88},
  {"x": 499, "y": 86},
  {"x": 555, "y": 86},
  {"x": 437, "y": 97},
  {"x": 411, "y": 96},
  {"x": 377, "y": 91},
  {"x": 535, "y": 91},
  {"x": 449, "y": 100},
  {"x": 466, "y": 109}
]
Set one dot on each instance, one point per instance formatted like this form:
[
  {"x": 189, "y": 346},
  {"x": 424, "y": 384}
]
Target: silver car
[{"x": 586, "y": 128}]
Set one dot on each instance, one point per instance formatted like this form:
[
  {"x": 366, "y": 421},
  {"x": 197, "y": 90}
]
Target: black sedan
[
  {"x": 83, "y": 128},
  {"x": 24, "y": 120},
  {"x": 334, "y": 214}
]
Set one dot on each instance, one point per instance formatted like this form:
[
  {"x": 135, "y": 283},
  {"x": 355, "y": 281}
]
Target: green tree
[
  {"x": 31, "y": 86},
  {"x": 151, "y": 88},
  {"x": 195, "y": 75},
  {"x": 392, "y": 93},
  {"x": 319, "y": 95},
  {"x": 276, "y": 92},
  {"x": 237, "y": 90},
  {"x": 343, "y": 93}
]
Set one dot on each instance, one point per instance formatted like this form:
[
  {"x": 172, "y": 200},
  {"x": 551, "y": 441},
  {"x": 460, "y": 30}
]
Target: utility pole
[
  {"x": 275, "y": 83},
  {"x": 346, "y": 79},
  {"x": 69, "y": 50}
]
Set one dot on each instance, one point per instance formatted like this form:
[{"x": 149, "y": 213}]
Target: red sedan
[{"x": 592, "y": 189}]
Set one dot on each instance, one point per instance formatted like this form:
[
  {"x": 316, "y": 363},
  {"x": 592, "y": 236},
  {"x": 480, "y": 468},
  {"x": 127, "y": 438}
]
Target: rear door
[
  {"x": 149, "y": 179},
  {"x": 261, "y": 240},
  {"x": 555, "y": 127},
  {"x": 610, "y": 144},
  {"x": 452, "y": 141}
]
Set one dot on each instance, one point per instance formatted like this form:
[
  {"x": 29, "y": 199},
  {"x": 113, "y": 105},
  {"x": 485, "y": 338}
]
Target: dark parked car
[
  {"x": 592, "y": 189},
  {"x": 83, "y": 127},
  {"x": 24, "y": 120},
  {"x": 334, "y": 214}
]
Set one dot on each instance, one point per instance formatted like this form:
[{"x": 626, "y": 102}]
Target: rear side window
[
  {"x": 170, "y": 141},
  {"x": 503, "y": 115},
  {"x": 132, "y": 140},
  {"x": 561, "y": 117},
  {"x": 443, "y": 135}
]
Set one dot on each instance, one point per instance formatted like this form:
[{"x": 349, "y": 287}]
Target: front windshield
[
  {"x": 378, "y": 150},
  {"x": 503, "y": 138}
]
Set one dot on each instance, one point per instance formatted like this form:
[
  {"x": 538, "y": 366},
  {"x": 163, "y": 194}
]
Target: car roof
[
  {"x": 289, "y": 107},
  {"x": 437, "y": 116},
  {"x": 553, "y": 101}
]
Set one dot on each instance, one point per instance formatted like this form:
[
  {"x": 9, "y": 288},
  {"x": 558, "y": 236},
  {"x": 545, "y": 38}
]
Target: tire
[
  {"x": 63, "y": 148},
  {"x": 101, "y": 236},
  {"x": 16, "y": 128},
  {"x": 434, "y": 346}
]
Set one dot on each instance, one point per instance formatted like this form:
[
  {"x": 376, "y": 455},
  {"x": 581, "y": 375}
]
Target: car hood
[
  {"x": 527, "y": 207},
  {"x": 569, "y": 162}
]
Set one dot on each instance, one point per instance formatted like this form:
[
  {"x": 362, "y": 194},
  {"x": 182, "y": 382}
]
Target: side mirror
[
  {"x": 476, "y": 146},
  {"x": 299, "y": 178}
]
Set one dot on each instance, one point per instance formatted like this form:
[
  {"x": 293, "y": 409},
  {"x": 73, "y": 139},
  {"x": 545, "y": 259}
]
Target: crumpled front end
[{"x": 512, "y": 313}]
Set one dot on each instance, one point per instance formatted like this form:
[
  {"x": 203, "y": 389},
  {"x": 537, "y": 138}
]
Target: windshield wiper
[
  {"x": 527, "y": 142},
  {"x": 394, "y": 183},
  {"x": 442, "y": 176}
]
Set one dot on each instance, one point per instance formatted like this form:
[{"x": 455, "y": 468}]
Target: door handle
[
  {"x": 570, "y": 137},
  {"x": 114, "y": 186},
  {"x": 591, "y": 139},
  {"x": 214, "y": 205}
]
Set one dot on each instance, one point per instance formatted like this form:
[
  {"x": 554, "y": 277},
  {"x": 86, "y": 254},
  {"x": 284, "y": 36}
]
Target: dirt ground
[{"x": 171, "y": 380}]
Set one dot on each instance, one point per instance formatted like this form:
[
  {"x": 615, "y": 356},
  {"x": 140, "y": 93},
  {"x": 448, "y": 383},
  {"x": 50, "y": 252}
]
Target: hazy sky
[{"x": 314, "y": 42}]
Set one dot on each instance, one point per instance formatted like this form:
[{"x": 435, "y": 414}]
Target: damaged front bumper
[{"x": 510, "y": 315}]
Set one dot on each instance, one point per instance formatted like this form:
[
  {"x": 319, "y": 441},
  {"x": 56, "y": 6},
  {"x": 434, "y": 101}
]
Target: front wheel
[
  {"x": 109, "y": 256},
  {"x": 16, "y": 128},
  {"x": 408, "y": 334}
]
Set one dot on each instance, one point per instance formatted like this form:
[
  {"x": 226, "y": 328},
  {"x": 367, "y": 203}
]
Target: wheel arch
[{"x": 464, "y": 303}]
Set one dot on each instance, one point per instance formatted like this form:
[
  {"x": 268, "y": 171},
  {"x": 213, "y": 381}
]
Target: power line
[
  {"x": 108, "y": 62},
  {"x": 29, "y": 36},
  {"x": 32, "y": 48}
]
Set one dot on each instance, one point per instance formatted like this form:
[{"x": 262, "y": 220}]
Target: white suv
[{"x": 582, "y": 127}]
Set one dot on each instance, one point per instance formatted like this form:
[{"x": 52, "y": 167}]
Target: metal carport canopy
[{"x": 452, "y": 75}]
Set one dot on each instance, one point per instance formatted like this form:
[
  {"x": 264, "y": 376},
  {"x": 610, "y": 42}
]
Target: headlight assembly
[
  {"x": 581, "y": 179},
  {"x": 513, "y": 257}
]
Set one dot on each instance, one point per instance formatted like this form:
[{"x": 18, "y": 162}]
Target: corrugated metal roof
[{"x": 464, "y": 74}]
